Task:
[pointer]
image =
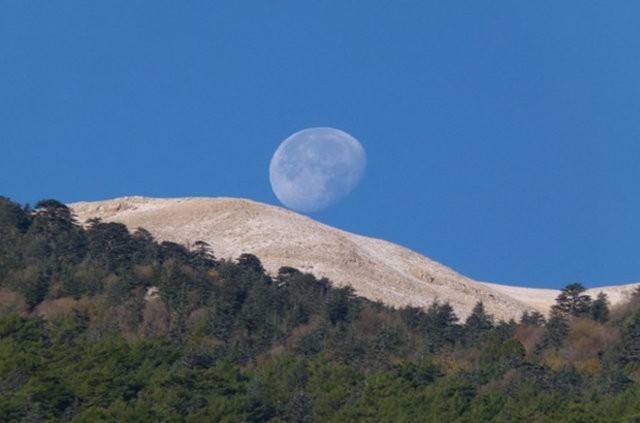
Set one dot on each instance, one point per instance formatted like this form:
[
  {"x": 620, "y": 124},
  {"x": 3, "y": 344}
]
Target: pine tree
[
  {"x": 572, "y": 301},
  {"x": 600, "y": 308},
  {"x": 535, "y": 318},
  {"x": 631, "y": 337},
  {"x": 202, "y": 256},
  {"x": 477, "y": 324},
  {"x": 250, "y": 262},
  {"x": 440, "y": 325},
  {"x": 111, "y": 244},
  {"x": 557, "y": 328}
]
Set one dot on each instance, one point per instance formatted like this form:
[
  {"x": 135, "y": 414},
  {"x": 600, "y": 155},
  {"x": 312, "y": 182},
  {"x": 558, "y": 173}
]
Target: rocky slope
[{"x": 376, "y": 269}]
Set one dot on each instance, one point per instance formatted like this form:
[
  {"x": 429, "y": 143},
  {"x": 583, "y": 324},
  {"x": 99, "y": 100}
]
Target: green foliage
[
  {"x": 120, "y": 328},
  {"x": 600, "y": 308},
  {"x": 557, "y": 328},
  {"x": 340, "y": 305},
  {"x": 440, "y": 327},
  {"x": 12, "y": 216},
  {"x": 202, "y": 256},
  {"x": 534, "y": 318},
  {"x": 631, "y": 348},
  {"x": 111, "y": 245},
  {"x": 477, "y": 324},
  {"x": 250, "y": 262},
  {"x": 572, "y": 301}
]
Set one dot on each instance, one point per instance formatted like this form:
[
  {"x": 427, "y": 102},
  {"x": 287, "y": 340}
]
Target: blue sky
[{"x": 502, "y": 138}]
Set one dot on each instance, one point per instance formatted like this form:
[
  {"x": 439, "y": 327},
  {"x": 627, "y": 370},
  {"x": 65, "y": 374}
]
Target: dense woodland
[{"x": 100, "y": 324}]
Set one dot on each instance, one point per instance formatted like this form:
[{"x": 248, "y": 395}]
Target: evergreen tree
[
  {"x": 35, "y": 285},
  {"x": 55, "y": 214},
  {"x": 440, "y": 325},
  {"x": 53, "y": 236},
  {"x": 285, "y": 273},
  {"x": 340, "y": 305},
  {"x": 572, "y": 301},
  {"x": 174, "y": 291},
  {"x": 111, "y": 244},
  {"x": 631, "y": 337},
  {"x": 477, "y": 324},
  {"x": 250, "y": 262},
  {"x": 172, "y": 251},
  {"x": 600, "y": 308},
  {"x": 14, "y": 221},
  {"x": 557, "y": 328},
  {"x": 146, "y": 248},
  {"x": 12, "y": 216},
  {"x": 202, "y": 256},
  {"x": 535, "y": 318}
]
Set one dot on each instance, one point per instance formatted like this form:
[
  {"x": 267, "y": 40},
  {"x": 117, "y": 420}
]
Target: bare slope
[{"x": 377, "y": 269}]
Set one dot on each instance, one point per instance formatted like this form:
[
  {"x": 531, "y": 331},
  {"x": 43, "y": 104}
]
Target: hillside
[
  {"x": 376, "y": 269},
  {"x": 101, "y": 324}
]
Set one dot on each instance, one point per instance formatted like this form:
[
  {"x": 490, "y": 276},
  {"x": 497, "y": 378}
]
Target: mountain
[{"x": 376, "y": 269}]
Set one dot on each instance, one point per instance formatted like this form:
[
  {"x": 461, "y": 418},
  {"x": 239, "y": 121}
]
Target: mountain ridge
[{"x": 376, "y": 269}]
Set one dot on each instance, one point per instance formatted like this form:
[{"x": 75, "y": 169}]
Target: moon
[{"x": 315, "y": 168}]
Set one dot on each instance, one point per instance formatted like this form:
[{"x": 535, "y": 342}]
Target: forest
[{"x": 100, "y": 324}]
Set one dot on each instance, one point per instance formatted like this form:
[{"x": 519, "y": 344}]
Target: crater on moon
[{"x": 315, "y": 168}]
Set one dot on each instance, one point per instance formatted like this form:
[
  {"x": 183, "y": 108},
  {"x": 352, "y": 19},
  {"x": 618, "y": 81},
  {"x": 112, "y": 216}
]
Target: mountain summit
[{"x": 376, "y": 269}]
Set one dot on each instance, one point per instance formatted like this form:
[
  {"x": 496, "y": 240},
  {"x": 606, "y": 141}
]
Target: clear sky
[{"x": 502, "y": 137}]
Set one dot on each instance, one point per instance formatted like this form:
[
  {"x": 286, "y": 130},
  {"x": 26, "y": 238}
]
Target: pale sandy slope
[
  {"x": 542, "y": 299},
  {"x": 377, "y": 269}
]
